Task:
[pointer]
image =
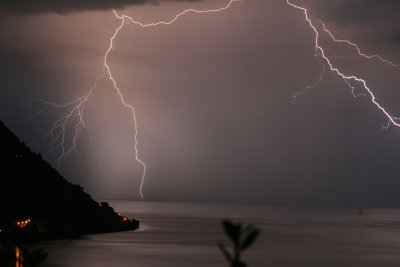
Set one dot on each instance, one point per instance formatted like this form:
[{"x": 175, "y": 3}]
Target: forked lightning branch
[{"x": 72, "y": 113}]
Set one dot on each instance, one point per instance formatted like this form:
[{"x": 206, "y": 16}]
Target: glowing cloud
[
  {"x": 319, "y": 51},
  {"x": 74, "y": 110}
]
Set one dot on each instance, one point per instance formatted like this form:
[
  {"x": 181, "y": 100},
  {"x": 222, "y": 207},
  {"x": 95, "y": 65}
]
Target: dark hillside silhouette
[{"x": 37, "y": 202}]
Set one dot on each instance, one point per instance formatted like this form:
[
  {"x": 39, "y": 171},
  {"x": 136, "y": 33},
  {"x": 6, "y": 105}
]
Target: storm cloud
[
  {"x": 29, "y": 7},
  {"x": 357, "y": 12},
  {"x": 375, "y": 20},
  {"x": 214, "y": 99}
]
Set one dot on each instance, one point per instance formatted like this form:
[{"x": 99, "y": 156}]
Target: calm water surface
[{"x": 186, "y": 234}]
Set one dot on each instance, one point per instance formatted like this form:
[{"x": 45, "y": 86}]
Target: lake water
[{"x": 186, "y": 234}]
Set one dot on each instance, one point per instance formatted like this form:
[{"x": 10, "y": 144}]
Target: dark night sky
[{"x": 213, "y": 96}]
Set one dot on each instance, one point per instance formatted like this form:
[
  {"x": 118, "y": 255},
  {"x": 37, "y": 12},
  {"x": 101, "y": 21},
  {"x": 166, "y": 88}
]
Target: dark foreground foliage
[{"x": 241, "y": 237}]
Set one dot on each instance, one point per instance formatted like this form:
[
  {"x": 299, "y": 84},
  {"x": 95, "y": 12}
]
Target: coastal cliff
[{"x": 37, "y": 203}]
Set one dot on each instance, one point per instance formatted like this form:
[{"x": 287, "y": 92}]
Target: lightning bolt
[
  {"x": 312, "y": 86},
  {"x": 319, "y": 51},
  {"x": 73, "y": 112},
  {"x": 360, "y": 53}
]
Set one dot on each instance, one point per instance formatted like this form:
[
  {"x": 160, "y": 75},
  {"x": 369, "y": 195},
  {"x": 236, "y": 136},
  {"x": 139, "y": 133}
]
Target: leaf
[
  {"x": 231, "y": 230},
  {"x": 250, "y": 238},
  {"x": 248, "y": 228},
  {"x": 225, "y": 252}
]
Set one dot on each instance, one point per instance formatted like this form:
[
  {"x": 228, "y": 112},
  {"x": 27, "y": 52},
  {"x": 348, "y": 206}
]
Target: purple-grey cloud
[
  {"x": 358, "y": 12},
  {"x": 30, "y": 7}
]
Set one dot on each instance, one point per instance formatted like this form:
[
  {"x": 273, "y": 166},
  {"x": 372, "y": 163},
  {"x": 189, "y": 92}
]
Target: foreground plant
[{"x": 241, "y": 237}]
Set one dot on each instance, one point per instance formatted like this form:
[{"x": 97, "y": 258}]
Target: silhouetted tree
[{"x": 241, "y": 237}]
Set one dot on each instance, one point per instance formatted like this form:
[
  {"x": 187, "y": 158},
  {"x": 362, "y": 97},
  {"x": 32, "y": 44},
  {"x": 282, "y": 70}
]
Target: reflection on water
[
  {"x": 10, "y": 255},
  {"x": 18, "y": 257},
  {"x": 186, "y": 234}
]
